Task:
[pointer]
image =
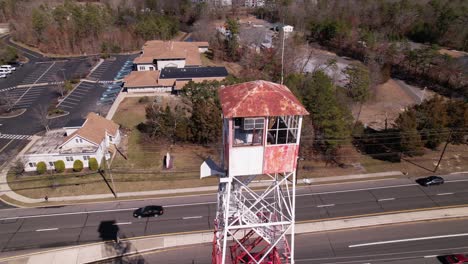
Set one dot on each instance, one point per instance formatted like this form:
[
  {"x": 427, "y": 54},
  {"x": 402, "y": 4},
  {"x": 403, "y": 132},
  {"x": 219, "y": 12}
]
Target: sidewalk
[{"x": 107, "y": 250}]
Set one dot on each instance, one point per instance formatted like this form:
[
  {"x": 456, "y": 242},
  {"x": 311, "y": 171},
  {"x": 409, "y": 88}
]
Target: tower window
[
  {"x": 248, "y": 131},
  {"x": 282, "y": 130}
]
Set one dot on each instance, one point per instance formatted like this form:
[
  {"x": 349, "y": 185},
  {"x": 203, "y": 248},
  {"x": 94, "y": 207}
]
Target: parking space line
[
  {"x": 73, "y": 99},
  {"x": 66, "y": 106},
  {"x": 4, "y": 147}
]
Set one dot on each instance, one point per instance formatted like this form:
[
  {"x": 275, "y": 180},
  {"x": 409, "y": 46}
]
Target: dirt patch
[
  {"x": 453, "y": 53},
  {"x": 388, "y": 102}
]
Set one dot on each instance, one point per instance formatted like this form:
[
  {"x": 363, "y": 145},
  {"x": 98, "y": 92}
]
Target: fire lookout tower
[{"x": 256, "y": 195}]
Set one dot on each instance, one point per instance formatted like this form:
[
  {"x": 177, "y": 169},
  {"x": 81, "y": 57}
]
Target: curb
[{"x": 23, "y": 110}]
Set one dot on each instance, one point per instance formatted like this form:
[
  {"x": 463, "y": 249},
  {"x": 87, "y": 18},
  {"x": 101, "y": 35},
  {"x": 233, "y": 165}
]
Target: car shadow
[{"x": 117, "y": 248}]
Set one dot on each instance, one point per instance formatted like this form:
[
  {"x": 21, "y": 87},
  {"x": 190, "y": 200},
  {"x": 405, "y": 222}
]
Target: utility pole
[
  {"x": 282, "y": 56},
  {"x": 112, "y": 179},
  {"x": 443, "y": 151}
]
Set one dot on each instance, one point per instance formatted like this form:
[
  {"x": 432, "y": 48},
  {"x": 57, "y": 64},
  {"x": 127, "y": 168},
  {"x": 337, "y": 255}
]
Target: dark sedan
[
  {"x": 149, "y": 211},
  {"x": 431, "y": 180}
]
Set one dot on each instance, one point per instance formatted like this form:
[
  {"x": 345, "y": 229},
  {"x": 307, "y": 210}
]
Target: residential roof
[
  {"x": 193, "y": 72},
  {"x": 50, "y": 144},
  {"x": 94, "y": 129},
  {"x": 259, "y": 98},
  {"x": 75, "y": 122},
  {"x": 158, "y": 49},
  {"x": 142, "y": 79}
]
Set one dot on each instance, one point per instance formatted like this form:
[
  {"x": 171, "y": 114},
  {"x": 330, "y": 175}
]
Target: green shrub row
[{"x": 60, "y": 166}]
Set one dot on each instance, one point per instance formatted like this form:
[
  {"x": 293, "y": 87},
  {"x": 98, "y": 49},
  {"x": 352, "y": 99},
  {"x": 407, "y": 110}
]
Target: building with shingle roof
[{"x": 78, "y": 141}]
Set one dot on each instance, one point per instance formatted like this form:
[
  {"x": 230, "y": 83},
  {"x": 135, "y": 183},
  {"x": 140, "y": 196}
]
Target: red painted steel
[{"x": 280, "y": 158}]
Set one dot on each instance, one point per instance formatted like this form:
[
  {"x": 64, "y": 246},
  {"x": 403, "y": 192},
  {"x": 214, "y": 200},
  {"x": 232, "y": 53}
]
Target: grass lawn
[
  {"x": 56, "y": 185},
  {"x": 143, "y": 169},
  {"x": 454, "y": 159}
]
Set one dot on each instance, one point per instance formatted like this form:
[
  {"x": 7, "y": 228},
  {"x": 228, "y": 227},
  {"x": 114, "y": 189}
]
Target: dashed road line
[
  {"x": 192, "y": 217},
  {"x": 325, "y": 205},
  {"x": 444, "y": 193},
  {"x": 386, "y": 199},
  {"x": 46, "y": 229}
]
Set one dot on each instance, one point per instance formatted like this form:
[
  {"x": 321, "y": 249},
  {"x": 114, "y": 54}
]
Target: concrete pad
[
  {"x": 89, "y": 253},
  {"x": 66, "y": 256},
  {"x": 45, "y": 258}
]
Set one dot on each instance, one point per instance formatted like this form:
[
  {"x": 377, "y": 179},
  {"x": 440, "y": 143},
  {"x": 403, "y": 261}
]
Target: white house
[
  {"x": 90, "y": 139},
  {"x": 287, "y": 29},
  {"x": 254, "y": 3}
]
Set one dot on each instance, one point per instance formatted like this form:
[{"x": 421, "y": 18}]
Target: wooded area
[{"x": 69, "y": 27}]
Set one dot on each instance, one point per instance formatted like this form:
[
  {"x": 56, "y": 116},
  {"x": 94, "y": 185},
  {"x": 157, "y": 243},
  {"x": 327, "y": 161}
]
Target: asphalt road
[
  {"x": 414, "y": 243},
  {"x": 76, "y": 224}
]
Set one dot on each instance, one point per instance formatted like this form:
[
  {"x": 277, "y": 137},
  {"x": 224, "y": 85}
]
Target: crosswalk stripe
[{"x": 15, "y": 136}]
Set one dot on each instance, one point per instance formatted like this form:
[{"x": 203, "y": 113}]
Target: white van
[{"x": 8, "y": 67}]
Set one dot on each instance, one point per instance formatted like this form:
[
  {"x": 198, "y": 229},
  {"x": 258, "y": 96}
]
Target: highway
[
  {"x": 55, "y": 226},
  {"x": 413, "y": 243}
]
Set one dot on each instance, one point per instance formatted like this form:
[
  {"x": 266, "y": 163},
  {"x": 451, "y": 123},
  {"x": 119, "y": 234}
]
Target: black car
[
  {"x": 431, "y": 180},
  {"x": 149, "y": 211}
]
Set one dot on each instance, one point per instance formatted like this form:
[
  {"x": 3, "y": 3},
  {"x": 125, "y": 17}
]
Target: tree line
[
  {"x": 105, "y": 27},
  {"x": 385, "y": 35}
]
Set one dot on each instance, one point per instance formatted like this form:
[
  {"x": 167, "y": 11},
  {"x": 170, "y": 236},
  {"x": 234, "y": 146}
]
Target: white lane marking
[
  {"x": 192, "y": 217},
  {"x": 407, "y": 240},
  {"x": 386, "y": 199},
  {"x": 444, "y": 193},
  {"x": 99, "y": 211},
  {"x": 386, "y": 254},
  {"x": 325, "y": 205},
  {"x": 372, "y": 188},
  {"x": 47, "y": 229},
  {"x": 431, "y": 256},
  {"x": 123, "y": 223}
]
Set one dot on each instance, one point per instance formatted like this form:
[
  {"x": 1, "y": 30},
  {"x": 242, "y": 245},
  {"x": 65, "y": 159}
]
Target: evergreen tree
[
  {"x": 432, "y": 121},
  {"x": 331, "y": 126},
  {"x": 458, "y": 121},
  {"x": 411, "y": 142}
]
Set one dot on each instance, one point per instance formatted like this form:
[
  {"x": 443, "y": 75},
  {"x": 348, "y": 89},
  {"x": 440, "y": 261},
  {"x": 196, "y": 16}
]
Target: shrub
[
  {"x": 41, "y": 167},
  {"x": 144, "y": 99},
  {"x": 93, "y": 164},
  {"x": 77, "y": 165},
  {"x": 18, "y": 168},
  {"x": 59, "y": 166}
]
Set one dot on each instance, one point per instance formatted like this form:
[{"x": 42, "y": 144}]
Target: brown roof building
[{"x": 173, "y": 53}]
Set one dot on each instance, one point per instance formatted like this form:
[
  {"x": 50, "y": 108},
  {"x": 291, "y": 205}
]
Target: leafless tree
[
  {"x": 7, "y": 101},
  {"x": 41, "y": 113},
  {"x": 60, "y": 87}
]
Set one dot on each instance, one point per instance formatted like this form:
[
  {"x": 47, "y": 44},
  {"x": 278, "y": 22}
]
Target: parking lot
[
  {"x": 41, "y": 71},
  {"x": 110, "y": 68},
  {"x": 24, "y": 97},
  {"x": 82, "y": 100}
]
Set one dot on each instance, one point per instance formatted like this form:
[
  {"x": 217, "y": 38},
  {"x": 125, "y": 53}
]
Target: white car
[
  {"x": 4, "y": 71},
  {"x": 8, "y": 67}
]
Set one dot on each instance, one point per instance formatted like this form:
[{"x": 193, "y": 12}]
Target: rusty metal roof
[{"x": 259, "y": 98}]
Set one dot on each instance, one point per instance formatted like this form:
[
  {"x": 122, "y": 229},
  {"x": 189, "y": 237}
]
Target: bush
[
  {"x": 93, "y": 164},
  {"x": 18, "y": 168},
  {"x": 77, "y": 165},
  {"x": 144, "y": 99},
  {"x": 41, "y": 167},
  {"x": 59, "y": 166}
]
